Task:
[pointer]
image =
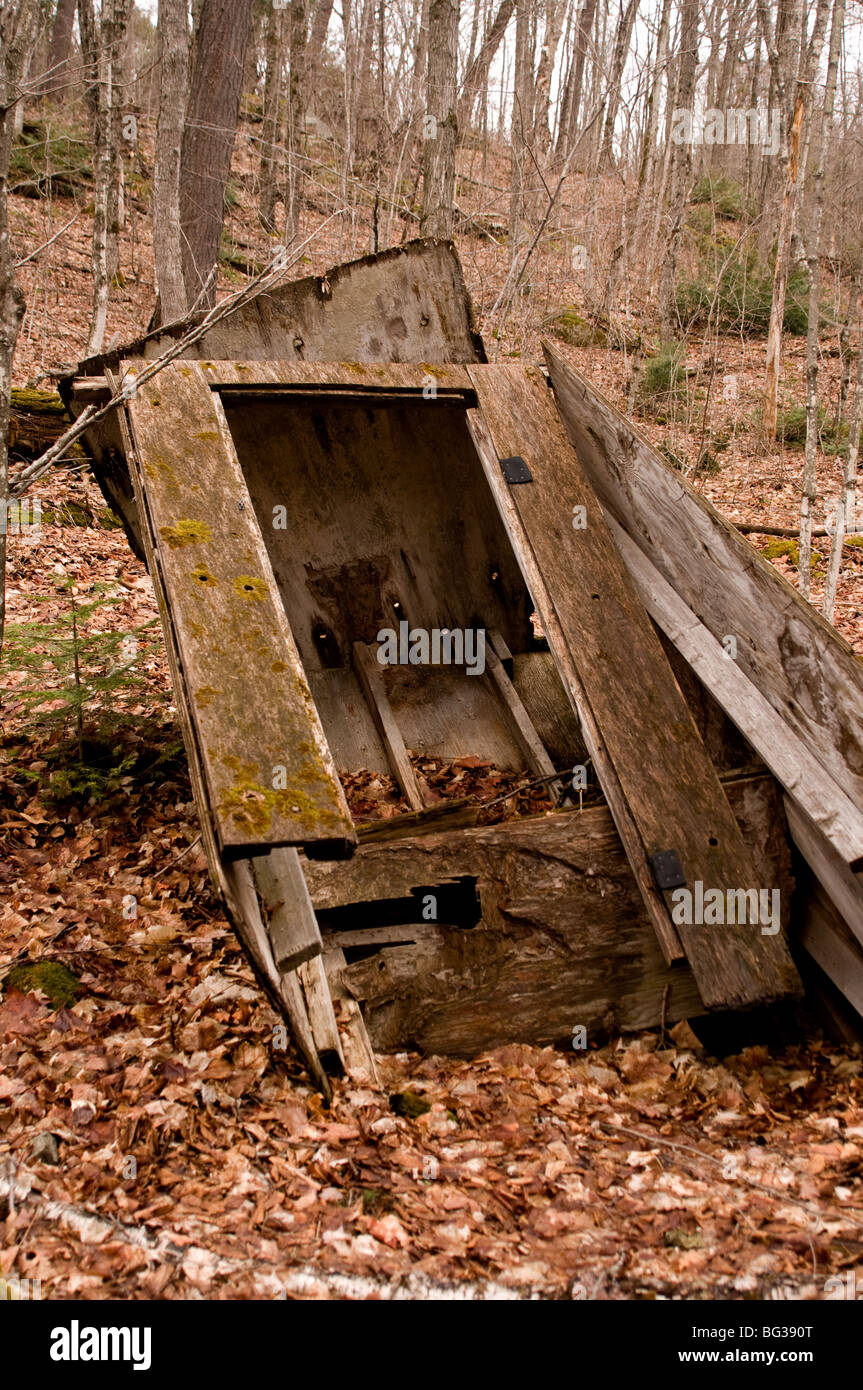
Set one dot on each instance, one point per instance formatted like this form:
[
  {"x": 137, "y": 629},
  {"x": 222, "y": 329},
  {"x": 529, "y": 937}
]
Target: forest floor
[{"x": 190, "y": 1156}]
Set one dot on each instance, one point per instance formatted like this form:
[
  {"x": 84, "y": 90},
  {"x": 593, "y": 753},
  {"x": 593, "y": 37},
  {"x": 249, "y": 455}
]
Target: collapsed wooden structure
[{"x": 294, "y": 495}]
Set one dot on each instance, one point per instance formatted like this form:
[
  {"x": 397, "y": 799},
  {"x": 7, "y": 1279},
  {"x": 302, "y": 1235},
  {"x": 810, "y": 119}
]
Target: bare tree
[
  {"x": 802, "y": 103},
  {"x": 173, "y": 36},
  {"x": 296, "y": 117},
  {"x": 572, "y": 94},
  {"x": 476, "y": 77},
  {"x": 18, "y": 19},
  {"x": 61, "y": 46},
  {"x": 215, "y": 89},
  {"x": 271, "y": 123},
  {"x": 436, "y": 218},
  {"x": 813, "y": 258},
  {"x": 681, "y": 163}
]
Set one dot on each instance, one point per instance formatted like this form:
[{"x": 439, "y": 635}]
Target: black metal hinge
[
  {"x": 515, "y": 470},
  {"x": 667, "y": 869}
]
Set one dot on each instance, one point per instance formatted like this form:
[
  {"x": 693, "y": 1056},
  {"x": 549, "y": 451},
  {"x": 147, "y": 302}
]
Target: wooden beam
[
  {"x": 371, "y": 679},
  {"x": 322, "y": 1018},
  {"x": 291, "y": 922},
  {"x": 823, "y": 935},
  {"x": 563, "y": 938},
  {"x": 528, "y": 739}
]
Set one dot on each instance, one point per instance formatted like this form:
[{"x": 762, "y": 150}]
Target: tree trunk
[
  {"x": 208, "y": 139},
  {"x": 802, "y": 104},
  {"x": 97, "y": 88},
  {"x": 270, "y": 127},
  {"x": 681, "y": 163},
  {"x": 296, "y": 113},
  {"x": 813, "y": 258},
  {"x": 61, "y": 46},
  {"x": 436, "y": 218},
  {"x": 18, "y": 19},
  {"x": 554, "y": 13},
  {"x": 173, "y": 35},
  {"x": 477, "y": 74},
  {"x": 575, "y": 81},
  {"x": 621, "y": 48},
  {"x": 521, "y": 122},
  {"x": 117, "y": 44}
]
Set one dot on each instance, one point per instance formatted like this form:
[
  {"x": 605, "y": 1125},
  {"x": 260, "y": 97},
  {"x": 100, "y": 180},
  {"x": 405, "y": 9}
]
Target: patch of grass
[
  {"x": 662, "y": 383},
  {"x": 775, "y": 550},
  {"x": 724, "y": 195},
  {"x": 409, "y": 1104},
  {"x": 735, "y": 293},
  {"x": 571, "y": 327},
  {"x": 791, "y": 430},
  {"x": 50, "y": 156}
]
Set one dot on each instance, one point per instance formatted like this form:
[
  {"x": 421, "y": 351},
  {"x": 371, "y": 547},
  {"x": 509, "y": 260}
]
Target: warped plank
[
  {"x": 788, "y": 758},
  {"x": 799, "y": 662},
  {"x": 270, "y": 778},
  {"x": 626, "y": 691}
]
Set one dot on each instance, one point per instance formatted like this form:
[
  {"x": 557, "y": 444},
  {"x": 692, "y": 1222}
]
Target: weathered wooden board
[
  {"x": 291, "y": 923},
  {"x": 232, "y": 879},
  {"x": 597, "y": 627},
  {"x": 790, "y": 654},
  {"x": 384, "y": 381},
  {"x": 405, "y": 304},
  {"x": 563, "y": 938},
  {"x": 270, "y": 778},
  {"x": 788, "y": 758}
]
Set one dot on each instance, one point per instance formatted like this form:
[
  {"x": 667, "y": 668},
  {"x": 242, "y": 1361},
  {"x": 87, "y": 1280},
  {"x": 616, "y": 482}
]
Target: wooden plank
[
  {"x": 635, "y": 717},
  {"x": 798, "y": 661},
  {"x": 270, "y": 778},
  {"x": 789, "y": 759},
  {"x": 357, "y": 1050},
  {"x": 563, "y": 938},
  {"x": 529, "y": 741},
  {"x": 656, "y": 906},
  {"x": 291, "y": 922},
  {"x": 373, "y": 378},
  {"x": 371, "y": 680},
  {"x": 843, "y": 888},
  {"x": 823, "y": 935},
  {"x": 322, "y": 1018},
  {"x": 232, "y": 881},
  {"x": 405, "y": 304}
]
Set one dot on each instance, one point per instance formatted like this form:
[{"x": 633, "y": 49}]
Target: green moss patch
[{"x": 57, "y": 983}]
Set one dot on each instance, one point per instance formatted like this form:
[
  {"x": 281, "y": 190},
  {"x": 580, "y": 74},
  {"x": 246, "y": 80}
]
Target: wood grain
[
  {"x": 270, "y": 777},
  {"x": 627, "y": 689},
  {"x": 795, "y": 659}
]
